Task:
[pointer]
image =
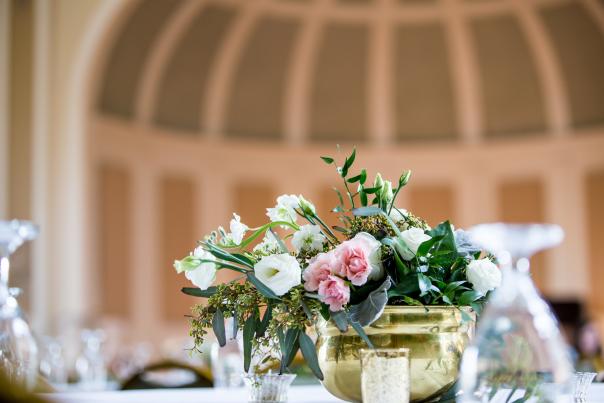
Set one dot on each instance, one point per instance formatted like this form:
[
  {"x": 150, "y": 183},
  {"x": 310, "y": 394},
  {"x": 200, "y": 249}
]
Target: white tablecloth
[{"x": 298, "y": 394}]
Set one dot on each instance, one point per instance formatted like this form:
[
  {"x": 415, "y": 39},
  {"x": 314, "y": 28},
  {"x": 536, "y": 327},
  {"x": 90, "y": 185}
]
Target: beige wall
[{"x": 130, "y": 164}]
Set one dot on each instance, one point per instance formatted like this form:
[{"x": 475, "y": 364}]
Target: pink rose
[
  {"x": 318, "y": 270},
  {"x": 334, "y": 292},
  {"x": 360, "y": 259}
]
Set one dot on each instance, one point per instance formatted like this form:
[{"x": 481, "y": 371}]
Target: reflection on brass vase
[{"x": 436, "y": 336}]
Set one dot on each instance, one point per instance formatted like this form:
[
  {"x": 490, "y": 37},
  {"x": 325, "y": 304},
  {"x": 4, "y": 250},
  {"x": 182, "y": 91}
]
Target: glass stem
[{"x": 4, "y": 271}]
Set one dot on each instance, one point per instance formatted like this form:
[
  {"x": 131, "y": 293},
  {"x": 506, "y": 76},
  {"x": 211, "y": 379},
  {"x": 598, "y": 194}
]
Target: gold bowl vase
[{"x": 436, "y": 336}]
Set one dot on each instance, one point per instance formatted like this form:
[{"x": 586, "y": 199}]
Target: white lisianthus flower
[
  {"x": 484, "y": 275},
  {"x": 205, "y": 274},
  {"x": 268, "y": 245},
  {"x": 309, "y": 237},
  {"x": 238, "y": 229},
  {"x": 398, "y": 214},
  {"x": 413, "y": 238},
  {"x": 284, "y": 210},
  {"x": 279, "y": 272},
  {"x": 387, "y": 193},
  {"x": 306, "y": 206}
]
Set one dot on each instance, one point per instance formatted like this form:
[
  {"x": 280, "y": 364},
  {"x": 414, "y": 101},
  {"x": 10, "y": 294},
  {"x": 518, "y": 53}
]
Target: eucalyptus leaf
[
  {"x": 366, "y": 312},
  {"x": 424, "y": 283},
  {"x": 198, "y": 292},
  {"x": 289, "y": 347},
  {"x": 367, "y": 211},
  {"x": 263, "y": 325},
  {"x": 235, "y": 326},
  {"x": 261, "y": 287},
  {"x": 218, "y": 326},
  {"x": 340, "y": 320},
  {"x": 310, "y": 354},
  {"x": 248, "y": 334},
  {"x": 361, "y": 332}
]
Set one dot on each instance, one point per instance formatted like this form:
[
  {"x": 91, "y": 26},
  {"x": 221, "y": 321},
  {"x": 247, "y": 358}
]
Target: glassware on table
[
  {"x": 90, "y": 365},
  {"x": 581, "y": 383},
  {"x": 18, "y": 349},
  {"x": 269, "y": 387},
  {"x": 518, "y": 351},
  {"x": 227, "y": 361},
  {"x": 52, "y": 363},
  {"x": 385, "y": 375}
]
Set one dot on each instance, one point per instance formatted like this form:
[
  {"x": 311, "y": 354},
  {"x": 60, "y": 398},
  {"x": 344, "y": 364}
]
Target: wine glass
[
  {"x": 518, "y": 352},
  {"x": 18, "y": 349},
  {"x": 90, "y": 365}
]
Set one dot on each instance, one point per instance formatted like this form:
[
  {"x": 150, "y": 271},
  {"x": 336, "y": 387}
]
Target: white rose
[
  {"x": 279, "y": 272},
  {"x": 205, "y": 274},
  {"x": 284, "y": 210},
  {"x": 413, "y": 238},
  {"x": 309, "y": 237},
  {"x": 238, "y": 229},
  {"x": 484, "y": 275}
]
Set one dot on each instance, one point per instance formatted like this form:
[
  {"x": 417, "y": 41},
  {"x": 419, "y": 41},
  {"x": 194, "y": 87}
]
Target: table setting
[{"x": 379, "y": 308}]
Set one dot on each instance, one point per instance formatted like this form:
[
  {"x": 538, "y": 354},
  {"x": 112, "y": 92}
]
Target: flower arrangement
[{"x": 301, "y": 271}]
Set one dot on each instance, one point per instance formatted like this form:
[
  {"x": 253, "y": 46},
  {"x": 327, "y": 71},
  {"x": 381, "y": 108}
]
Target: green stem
[
  {"x": 329, "y": 231},
  {"x": 398, "y": 189}
]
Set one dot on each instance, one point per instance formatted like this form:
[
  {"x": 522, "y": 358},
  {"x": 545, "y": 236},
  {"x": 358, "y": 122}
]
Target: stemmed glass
[
  {"x": 18, "y": 350},
  {"x": 518, "y": 352}
]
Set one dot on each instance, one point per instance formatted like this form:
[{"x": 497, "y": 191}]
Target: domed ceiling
[{"x": 359, "y": 70}]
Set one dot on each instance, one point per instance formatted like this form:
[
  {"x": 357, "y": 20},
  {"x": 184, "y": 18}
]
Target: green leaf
[
  {"x": 348, "y": 163},
  {"x": 363, "y": 197},
  {"x": 354, "y": 179},
  {"x": 340, "y": 198},
  {"x": 468, "y": 297},
  {"x": 445, "y": 244},
  {"x": 407, "y": 285},
  {"x": 361, "y": 332},
  {"x": 261, "y": 287},
  {"x": 328, "y": 160},
  {"x": 279, "y": 241},
  {"x": 268, "y": 314},
  {"x": 366, "y": 312},
  {"x": 224, "y": 255},
  {"x": 218, "y": 326},
  {"x": 372, "y": 190},
  {"x": 243, "y": 258},
  {"x": 366, "y": 211},
  {"x": 248, "y": 334},
  {"x": 310, "y": 355},
  {"x": 235, "y": 326},
  {"x": 324, "y": 311},
  {"x": 363, "y": 176},
  {"x": 289, "y": 347},
  {"x": 198, "y": 292},
  {"x": 424, "y": 283},
  {"x": 425, "y": 246},
  {"x": 340, "y": 320}
]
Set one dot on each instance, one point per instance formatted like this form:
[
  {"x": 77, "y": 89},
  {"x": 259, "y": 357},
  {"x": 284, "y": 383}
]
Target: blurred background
[{"x": 128, "y": 129}]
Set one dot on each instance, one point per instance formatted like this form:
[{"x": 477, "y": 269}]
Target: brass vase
[{"x": 436, "y": 336}]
